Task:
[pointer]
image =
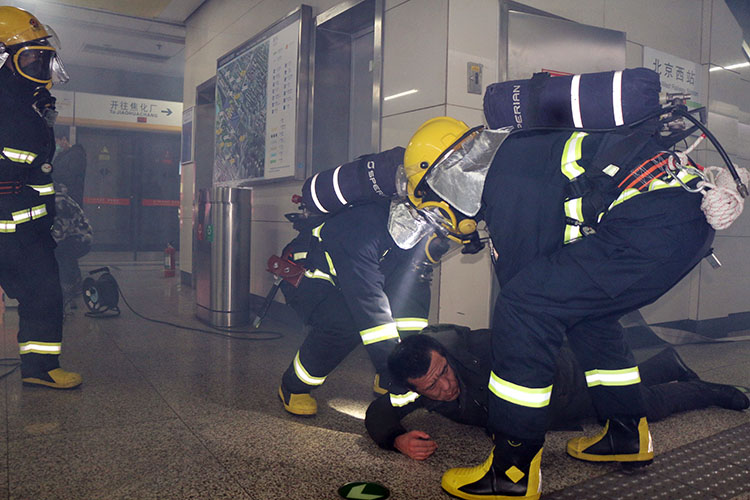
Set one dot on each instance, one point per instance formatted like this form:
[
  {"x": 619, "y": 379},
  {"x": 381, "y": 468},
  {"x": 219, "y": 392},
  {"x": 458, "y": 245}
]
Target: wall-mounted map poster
[{"x": 260, "y": 129}]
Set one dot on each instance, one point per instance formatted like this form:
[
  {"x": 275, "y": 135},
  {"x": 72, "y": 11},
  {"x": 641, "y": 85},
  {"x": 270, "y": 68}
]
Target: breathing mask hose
[{"x": 741, "y": 188}]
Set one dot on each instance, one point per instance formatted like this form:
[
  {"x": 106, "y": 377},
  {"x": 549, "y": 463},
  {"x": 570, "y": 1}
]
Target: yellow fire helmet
[
  {"x": 427, "y": 144},
  {"x": 18, "y": 26},
  {"x": 31, "y": 46}
]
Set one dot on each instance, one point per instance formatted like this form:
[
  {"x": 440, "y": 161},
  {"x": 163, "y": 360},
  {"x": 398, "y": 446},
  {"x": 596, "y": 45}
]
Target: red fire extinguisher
[{"x": 169, "y": 260}]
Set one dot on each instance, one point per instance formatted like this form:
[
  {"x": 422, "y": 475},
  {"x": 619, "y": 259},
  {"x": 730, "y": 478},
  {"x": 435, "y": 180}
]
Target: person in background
[
  {"x": 447, "y": 369},
  {"x": 70, "y": 167},
  {"x": 73, "y": 235},
  {"x": 28, "y": 269}
]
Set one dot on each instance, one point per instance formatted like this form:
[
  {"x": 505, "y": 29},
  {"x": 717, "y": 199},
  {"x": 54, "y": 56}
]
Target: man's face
[{"x": 439, "y": 383}]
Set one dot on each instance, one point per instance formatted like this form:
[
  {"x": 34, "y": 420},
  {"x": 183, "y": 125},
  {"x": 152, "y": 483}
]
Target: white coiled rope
[{"x": 721, "y": 203}]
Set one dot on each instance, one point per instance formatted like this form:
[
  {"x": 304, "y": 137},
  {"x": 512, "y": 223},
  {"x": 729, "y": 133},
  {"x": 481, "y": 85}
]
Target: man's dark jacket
[{"x": 469, "y": 355}]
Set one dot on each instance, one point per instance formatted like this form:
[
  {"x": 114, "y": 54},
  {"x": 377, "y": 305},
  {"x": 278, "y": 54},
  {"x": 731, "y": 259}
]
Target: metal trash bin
[{"x": 228, "y": 234}]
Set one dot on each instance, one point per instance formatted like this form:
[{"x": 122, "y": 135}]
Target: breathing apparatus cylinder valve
[{"x": 473, "y": 245}]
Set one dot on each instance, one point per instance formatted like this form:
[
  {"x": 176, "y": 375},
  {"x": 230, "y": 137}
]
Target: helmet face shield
[
  {"x": 405, "y": 225},
  {"x": 59, "y": 75},
  {"x": 40, "y": 64},
  {"x": 457, "y": 177},
  {"x": 445, "y": 166}
]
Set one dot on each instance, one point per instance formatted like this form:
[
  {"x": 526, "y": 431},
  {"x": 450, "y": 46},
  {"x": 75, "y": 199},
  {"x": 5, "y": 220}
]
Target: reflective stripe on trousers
[
  {"x": 40, "y": 347},
  {"x": 530, "y": 397},
  {"x": 613, "y": 378},
  {"x": 410, "y": 324},
  {"x": 304, "y": 375},
  {"x": 379, "y": 333}
]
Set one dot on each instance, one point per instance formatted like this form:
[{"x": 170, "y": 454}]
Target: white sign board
[
  {"x": 676, "y": 75},
  {"x": 64, "y": 103},
  {"x": 128, "y": 110}
]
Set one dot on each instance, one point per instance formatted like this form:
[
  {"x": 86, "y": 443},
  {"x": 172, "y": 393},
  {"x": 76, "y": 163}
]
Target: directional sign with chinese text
[
  {"x": 139, "y": 113},
  {"x": 676, "y": 75}
]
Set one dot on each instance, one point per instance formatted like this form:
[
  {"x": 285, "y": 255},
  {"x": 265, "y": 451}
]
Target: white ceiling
[{"x": 145, "y": 36}]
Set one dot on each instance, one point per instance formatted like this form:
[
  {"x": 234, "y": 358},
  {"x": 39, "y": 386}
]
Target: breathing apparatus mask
[
  {"x": 440, "y": 187},
  {"x": 32, "y": 49},
  {"x": 28, "y": 51}
]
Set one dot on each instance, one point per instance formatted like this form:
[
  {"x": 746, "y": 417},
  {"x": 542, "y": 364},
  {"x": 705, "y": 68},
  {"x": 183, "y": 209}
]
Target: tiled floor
[{"x": 166, "y": 413}]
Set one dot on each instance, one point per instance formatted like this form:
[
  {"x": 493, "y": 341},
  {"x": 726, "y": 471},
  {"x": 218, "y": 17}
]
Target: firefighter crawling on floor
[
  {"x": 358, "y": 286},
  {"x": 585, "y": 226}
]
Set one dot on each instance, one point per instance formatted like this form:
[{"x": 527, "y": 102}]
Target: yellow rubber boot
[
  {"x": 55, "y": 379},
  {"x": 626, "y": 440},
  {"x": 300, "y": 404},
  {"x": 515, "y": 474}
]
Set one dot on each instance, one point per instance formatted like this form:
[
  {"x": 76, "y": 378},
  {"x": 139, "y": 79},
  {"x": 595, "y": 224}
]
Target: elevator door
[{"x": 132, "y": 189}]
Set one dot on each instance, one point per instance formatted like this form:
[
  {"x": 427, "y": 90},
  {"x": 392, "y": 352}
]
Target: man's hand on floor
[{"x": 415, "y": 444}]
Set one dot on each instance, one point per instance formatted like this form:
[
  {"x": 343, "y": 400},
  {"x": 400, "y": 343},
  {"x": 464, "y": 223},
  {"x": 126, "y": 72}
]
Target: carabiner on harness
[{"x": 674, "y": 166}]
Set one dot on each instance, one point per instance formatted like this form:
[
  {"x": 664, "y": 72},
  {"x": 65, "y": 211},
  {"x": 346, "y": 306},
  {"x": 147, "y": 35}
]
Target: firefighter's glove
[{"x": 44, "y": 104}]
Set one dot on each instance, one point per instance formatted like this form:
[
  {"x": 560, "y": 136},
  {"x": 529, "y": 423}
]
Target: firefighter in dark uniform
[
  {"x": 447, "y": 368},
  {"x": 358, "y": 287},
  {"x": 28, "y": 270},
  {"x": 578, "y": 244}
]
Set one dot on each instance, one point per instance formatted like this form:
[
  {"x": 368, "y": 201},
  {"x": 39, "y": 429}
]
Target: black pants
[
  {"x": 331, "y": 334},
  {"x": 581, "y": 291},
  {"x": 29, "y": 273},
  {"x": 662, "y": 391},
  {"x": 67, "y": 253}
]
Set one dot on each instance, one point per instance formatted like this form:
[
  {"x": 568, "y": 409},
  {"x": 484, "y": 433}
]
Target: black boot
[
  {"x": 664, "y": 400},
  {"x": 723, "y": 396},
  {"x": 666, "y": 366},
  {"x": 623, "y": 439},
  {"x": 511, "y": 472}
]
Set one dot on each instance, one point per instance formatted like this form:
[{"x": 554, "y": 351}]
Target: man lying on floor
[{"x": 447, "y": 369}]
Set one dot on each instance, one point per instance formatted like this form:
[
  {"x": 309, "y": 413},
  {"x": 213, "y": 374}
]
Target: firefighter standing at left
[{"x": 28, "y": 271}]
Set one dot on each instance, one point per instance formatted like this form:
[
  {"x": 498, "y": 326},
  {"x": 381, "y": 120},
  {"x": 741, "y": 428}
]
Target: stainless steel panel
[
  {"x": 345, "y": 113},
  {"x": 360, "y": 115},
  {"x": 538, "y": 42},
  {"x": 330, "y": 133}
]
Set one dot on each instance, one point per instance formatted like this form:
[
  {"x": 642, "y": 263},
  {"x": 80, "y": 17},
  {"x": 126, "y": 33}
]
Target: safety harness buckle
[{"x": 577, "y": 187}]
